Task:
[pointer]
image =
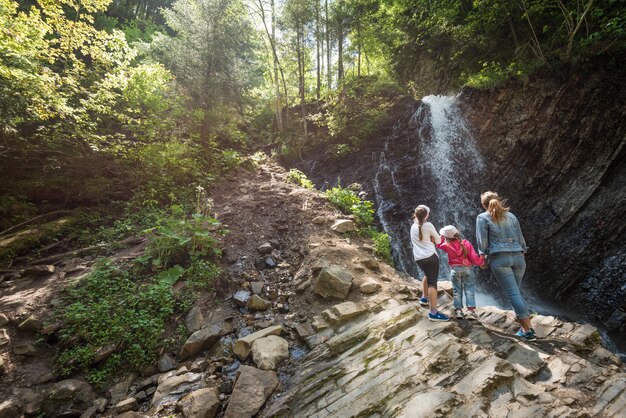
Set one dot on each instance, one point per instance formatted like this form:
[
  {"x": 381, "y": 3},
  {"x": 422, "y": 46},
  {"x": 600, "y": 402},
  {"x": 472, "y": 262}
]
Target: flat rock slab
[
  {"x": 243, "y": 345},
  {"x": 251, "y": 390},
  {"x": 342, "y": 312},
  {"x": 174, "y": 387},
  {"x": 268, "y": 352},
  {"x": 333, "y": 281}
]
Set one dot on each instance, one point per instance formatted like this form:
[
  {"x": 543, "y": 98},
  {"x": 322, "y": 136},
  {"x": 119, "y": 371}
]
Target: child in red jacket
[{"x": 461, "y": 257}]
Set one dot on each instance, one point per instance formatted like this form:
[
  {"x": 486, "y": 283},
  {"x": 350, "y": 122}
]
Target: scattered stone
[
  {"x": 4, "y": 337},
  {"x": 369, "y": 287},
  {"x": 204, "y": 338},
  {"x": 257, "y": 303},
  {"x": 167, "y": 363},
  {"x": 371, "y": 264},
  {"x": 243, "y": 345},
  {"x": 243, "y": 190},
  {"x": 42, "y": 270},
  {"x": 202, "y": 403},
  {"x": 70, "y": 394},
  {"x": 194, "y": 320},
  {"x": 257, "y": 287},
  {"x": 333, "y": 281},
  {"x": 174, "y": 387},
  {"x": 118, "y": 391},
  {"x": 3, "y": 320},
  {"x": 303, "y": 286},
  {"x": 27, "y": 349},
  {"x": 343, "y": 225},
  {"x": 319, "y": 220},
  {"x": 132, "y": 414},
  {"x": 270, "y": 263},
  {"x": 241, "y": 297},
  {"x": 199, "y": 365},
  {"x": 268, "y": 352},
  {"x": 342, "y": 312},
  {"x": 265, "y": 248},
  {"x": 103, "y": 353},
  {"x": 252, "y": 389},
  {"x": 32, "y": 323},
  {"x": 51, "y": 328},
  {"x": 304, "y": 330},
  {"x": 126, "y": 405},
  {"x": 319, "y": 323},
  {"x": 100, "y": 404}
]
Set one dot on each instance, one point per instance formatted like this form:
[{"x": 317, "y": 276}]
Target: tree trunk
[
  {"x": 317, "y": 47},
  {"x": 301, "y": 64},
  {"x": 329, "y": 74},
  {"x": 279, "y": 113},
  {"x": 358, "y": 35},
  {"x": 340, "y": 50}
]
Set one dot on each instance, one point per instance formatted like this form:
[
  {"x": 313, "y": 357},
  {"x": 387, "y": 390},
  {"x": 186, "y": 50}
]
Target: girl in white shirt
[{"x": 424, "y": 236}]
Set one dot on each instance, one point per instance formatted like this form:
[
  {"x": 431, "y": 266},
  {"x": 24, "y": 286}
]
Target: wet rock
[
  {"x": 343, "y": 225},
  {"x": 167, "y": 363},
  {"x": 4, "y": 337},
  {"x": 251, "y": 390},
  {"x": 103, "y": 353},
  {"x": 369, "y": 287},
  {"x": 243, "y": 345},
  {"x": 174, "y": 387},
  {"x": 257, "y": 287},
  {"x": 265, "y": 248},
  {"x": 241, "y": 297},
  {"x": 194, "y": 320},
  {"x": 43, "y": 270},
  {"x": 204, "y": 338},
  {"x": 268, "y": 352},
  {"x": 27, "y": 349},
  {"x": 3, "y": 320},
  {"x": 202, "y": 403},
  {"x": 257, "y": 303},
  {"x": 333, "y": 281},
  {"x": 32, "y": 323},
  {"x": 126, "y": 405}
]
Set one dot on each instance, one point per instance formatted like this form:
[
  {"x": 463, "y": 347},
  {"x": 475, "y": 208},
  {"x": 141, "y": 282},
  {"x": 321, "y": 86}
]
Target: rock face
[
  {"x": 268, "y": 352},
  {"x": 252, "y": 389},
  {"x": 333, "y": 281},
  {"x": 397, "y": 363}
]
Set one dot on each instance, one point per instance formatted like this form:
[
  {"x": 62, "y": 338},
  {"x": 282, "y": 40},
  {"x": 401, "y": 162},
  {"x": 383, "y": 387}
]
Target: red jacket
[{"x": 455, "y": 253}]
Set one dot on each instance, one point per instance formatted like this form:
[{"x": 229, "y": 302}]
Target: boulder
[
  {"x": 194, "y": 320},
  {"x": 175, "y": 387},
  {"x": 126, "y": 405},
  {"x": 206, "y": 337},
  {"x": 251, "y": 390},
  {"x": 32, "y": 323},
  {"x": 243, "y": 345},
  {"x": 371, "y": 264},
  {"x": 268, "y": 352},
  {"x": 167, "y": 363},
  {"x": 257, "y": 303},
  {"x": 202, "y": 403},
  {"x": 103, "y": 353},
  {"x": 343, "y": 225},
  {"x": 265, "y": 248},
  {"x": 369, "y": 287},
  {"x": 333, "y": 281},
  {"x": 4, "y": 337},
  {"x": 67, "y": 395}
]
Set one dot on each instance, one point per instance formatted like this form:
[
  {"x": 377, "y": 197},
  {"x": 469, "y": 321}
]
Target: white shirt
[{"x": 424, "y": 248}]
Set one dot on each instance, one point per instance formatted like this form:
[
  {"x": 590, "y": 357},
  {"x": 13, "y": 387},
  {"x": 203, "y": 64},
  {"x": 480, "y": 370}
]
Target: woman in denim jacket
[{"x": 500, "y": 238}]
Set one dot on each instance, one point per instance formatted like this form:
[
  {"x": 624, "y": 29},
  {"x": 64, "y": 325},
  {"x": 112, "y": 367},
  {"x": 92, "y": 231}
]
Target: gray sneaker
[
  {"x": 458, "y": 313},
  {"x": 471, "y": 315}
]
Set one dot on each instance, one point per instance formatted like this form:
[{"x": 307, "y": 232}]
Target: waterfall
[{"x": 430, "y": 158}]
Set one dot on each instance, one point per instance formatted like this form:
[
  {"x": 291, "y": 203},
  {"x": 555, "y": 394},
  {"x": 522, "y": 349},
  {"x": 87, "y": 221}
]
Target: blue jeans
[
  {"x": 509, "y": 268},
  {"x": 463, "y": 281}
]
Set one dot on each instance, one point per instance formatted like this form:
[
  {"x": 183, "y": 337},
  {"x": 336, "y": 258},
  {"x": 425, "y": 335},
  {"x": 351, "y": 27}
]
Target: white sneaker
[
  {"x": 458, "y": 313},
  {"x": 471, "y": 314}
]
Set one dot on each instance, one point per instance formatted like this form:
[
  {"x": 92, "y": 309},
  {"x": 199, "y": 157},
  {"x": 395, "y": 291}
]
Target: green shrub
[
  {"x": 110, "y": 307},
  {"x": 382, "y": 245},
  {"x": 347, "y": 201},
  {"x": 298, "y": 177}
]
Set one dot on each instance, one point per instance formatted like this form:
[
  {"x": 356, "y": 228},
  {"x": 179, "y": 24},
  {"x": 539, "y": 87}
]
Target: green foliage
[
  {"x": 298, "y": 177},
  {"x": 494, "y": 74},
  {"x": 382, "y": 245},
  {"x": 111, "y": 307},
  {"x": 347, "y": 201}
]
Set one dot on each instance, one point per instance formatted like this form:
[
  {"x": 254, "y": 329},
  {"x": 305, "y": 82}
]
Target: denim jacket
[{"x": 498, "y": 237}]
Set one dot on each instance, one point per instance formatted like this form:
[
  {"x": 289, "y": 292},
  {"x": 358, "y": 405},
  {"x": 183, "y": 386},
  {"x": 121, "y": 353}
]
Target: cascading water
[{"x": 446, "y": 165}]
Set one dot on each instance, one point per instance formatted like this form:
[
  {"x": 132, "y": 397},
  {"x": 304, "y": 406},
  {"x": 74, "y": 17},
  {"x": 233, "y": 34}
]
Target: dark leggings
[{"x": 430, "y": 267}]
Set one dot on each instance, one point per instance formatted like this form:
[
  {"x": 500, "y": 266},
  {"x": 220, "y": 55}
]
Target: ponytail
[
  {"x": 458, "y": 238},
  {"x": 494, "y": 205},
  {"x": 420, "y": 214}
]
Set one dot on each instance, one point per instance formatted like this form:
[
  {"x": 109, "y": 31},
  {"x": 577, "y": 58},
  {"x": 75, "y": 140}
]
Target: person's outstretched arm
[{"x": 482, "y": 235}]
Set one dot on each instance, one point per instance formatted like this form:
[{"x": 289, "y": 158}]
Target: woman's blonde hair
[
  {"x": 420, "y": 214},
  {"x": 495, "y": 205}
]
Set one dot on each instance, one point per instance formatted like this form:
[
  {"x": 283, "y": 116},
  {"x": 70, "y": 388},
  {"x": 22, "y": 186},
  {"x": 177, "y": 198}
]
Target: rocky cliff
[{"x": 554, "y": 148}]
